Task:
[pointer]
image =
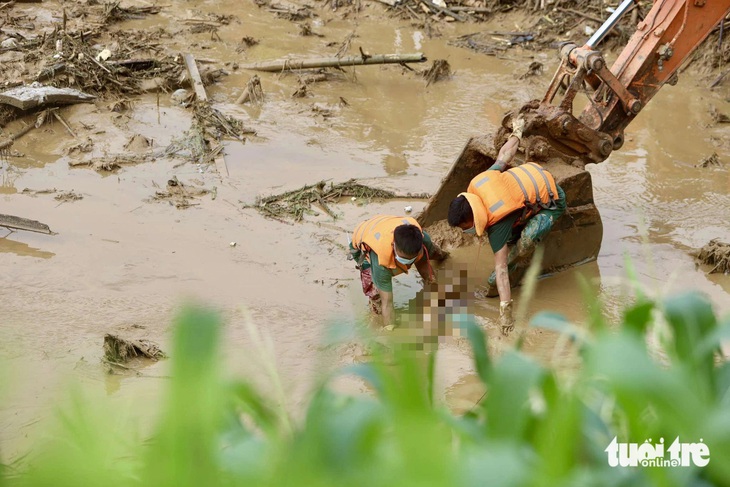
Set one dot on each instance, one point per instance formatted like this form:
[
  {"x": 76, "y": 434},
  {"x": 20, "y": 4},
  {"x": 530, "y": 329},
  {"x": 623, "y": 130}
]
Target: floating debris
[
  {"x": 535, "y": 68},
  {"x": 713, "y": 160},
  {"x": 179, "y": 194},
  {"x": 120, "y": 350},
  {"x": 439, "y": 71},
  {"x": 253, "y": 92},
  {"x": 112, "y": 164},
  {"x": 718, "y": 117},
  {"x": 68, "y": 196}
]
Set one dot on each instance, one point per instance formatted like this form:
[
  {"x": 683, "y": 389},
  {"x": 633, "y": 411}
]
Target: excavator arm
[
  {"x": 666, "y": 37},
  {"x": 564, "y": 142}
]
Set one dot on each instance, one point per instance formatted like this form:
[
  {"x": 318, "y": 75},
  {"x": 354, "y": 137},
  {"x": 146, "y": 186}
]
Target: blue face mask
[
  {"x": 405, "y": 261},
  {"x": 472, "y": 230}
]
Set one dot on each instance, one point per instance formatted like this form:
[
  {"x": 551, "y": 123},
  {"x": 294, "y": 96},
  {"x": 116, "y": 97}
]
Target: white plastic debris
[
  {"x": 589, "y": 30},
  {"x": 408, "y": 209},
  {"x": 9, "y": 43},
  {"x": 440, "y": 3},
  {"x": 104, "y": 55},
  {"x": 232, "y": 244},
  {"x": 353, "y": 198},
  {"x": 180, "y": 96}
]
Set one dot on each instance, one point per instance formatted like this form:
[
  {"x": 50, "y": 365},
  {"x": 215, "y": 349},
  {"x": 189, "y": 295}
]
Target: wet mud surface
[{"x": 131, "y": 248}]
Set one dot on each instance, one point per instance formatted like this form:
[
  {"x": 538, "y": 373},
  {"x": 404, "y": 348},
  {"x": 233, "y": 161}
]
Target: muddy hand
[{"x": 505, "y": 317}]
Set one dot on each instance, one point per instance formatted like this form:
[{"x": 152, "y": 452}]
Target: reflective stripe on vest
[
  {"x": 545, "y": 178},
  {"x": 522, "y": 187},
  {"x": 482, "y": 181},
  {"x": 499, "y": 204},
  {"x": 534, "y": 183}
]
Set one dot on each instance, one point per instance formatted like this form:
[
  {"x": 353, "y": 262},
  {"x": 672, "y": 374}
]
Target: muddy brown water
[{"x": 122, "y": 264}]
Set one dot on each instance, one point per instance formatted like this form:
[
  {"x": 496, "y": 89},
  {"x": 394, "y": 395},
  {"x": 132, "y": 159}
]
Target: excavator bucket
[{"x": 478, "y": 155}]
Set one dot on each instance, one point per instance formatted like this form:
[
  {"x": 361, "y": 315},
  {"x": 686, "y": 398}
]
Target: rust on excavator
[{"x": 564, "y": 143}]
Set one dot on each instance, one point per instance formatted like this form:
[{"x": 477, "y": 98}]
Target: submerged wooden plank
[
  {"x": 18, "y": 223},
  {"x": 27, "y": 97},
  {"x": 195, "y": 77}
]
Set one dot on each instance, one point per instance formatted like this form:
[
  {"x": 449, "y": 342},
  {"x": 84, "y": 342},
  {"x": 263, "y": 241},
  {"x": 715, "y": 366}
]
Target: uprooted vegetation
[
  {"x": 121, "y": 350},
  {"x": 295, "y": 204},
  {"x": 717, "y": 255}
]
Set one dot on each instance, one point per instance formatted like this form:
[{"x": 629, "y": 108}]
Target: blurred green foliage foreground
[{"x": 531, "y": 428}]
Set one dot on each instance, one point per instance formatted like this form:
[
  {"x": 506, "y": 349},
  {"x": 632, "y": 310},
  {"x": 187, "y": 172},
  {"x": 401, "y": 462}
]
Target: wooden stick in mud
[
  {"x": 332, "y": 62},
  {"x": 719, "y": 79},
  {"x": 40, "y": 120},
  {"x": 64, "y": 123},
  {"x": 5, "y": 143},
  {"x": 202, "y": 96},
  {"x": 476, "y": 10}
]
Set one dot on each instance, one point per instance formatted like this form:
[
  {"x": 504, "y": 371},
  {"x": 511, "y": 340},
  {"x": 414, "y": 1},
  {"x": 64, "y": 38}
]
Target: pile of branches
[
  {"x": 200, "y": 143},
  {"x": 80, "y": 66},
  {"x": 112, "y": 12},
  {"x": 295, "y": 204},
  {"x": 554, "y": 22}
]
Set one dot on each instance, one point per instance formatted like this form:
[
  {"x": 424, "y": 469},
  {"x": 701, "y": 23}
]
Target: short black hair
[
  {"x": 460, "y": 211},
  {"x": 408, "y": 238}
]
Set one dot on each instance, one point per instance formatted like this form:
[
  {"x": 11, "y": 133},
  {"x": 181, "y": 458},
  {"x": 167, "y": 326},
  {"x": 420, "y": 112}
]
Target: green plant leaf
[
  {"x": 692, "y": 321},
  {"x": 559, "y": 323},
  {"x": 507, "y": 403},
  {"x": 638, "y": 317},
  {"x": 478, "y": 342}
]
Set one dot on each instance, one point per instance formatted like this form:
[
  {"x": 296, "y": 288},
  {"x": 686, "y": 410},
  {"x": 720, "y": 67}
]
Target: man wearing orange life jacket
[
  {"x": 385, "y": 246},
  {"x": 518, "y": 206}
]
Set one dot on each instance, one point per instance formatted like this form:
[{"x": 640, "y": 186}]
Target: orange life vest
[
  {"x": 376, "y": 234},
  {"x": 528, "y": 187}
]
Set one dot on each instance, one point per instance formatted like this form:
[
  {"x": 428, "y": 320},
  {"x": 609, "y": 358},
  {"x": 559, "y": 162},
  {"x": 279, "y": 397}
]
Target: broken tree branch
[
  {"x": 40, "y": 120},
  {"x": 64, "y": 123},
  {"x": 332, "y": 62},
  {"x": 253, "y": 92},
  {"x": 719, "y": 79}
]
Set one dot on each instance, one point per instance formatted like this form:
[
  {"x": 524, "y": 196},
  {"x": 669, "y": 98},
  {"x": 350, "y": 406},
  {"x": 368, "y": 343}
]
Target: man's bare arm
[
  {"x": 424, "y": 269},
  {"x": 500, "y": 269},
  {"x": 386, "y": 300},
  {"x": 506, "y": 154}
]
